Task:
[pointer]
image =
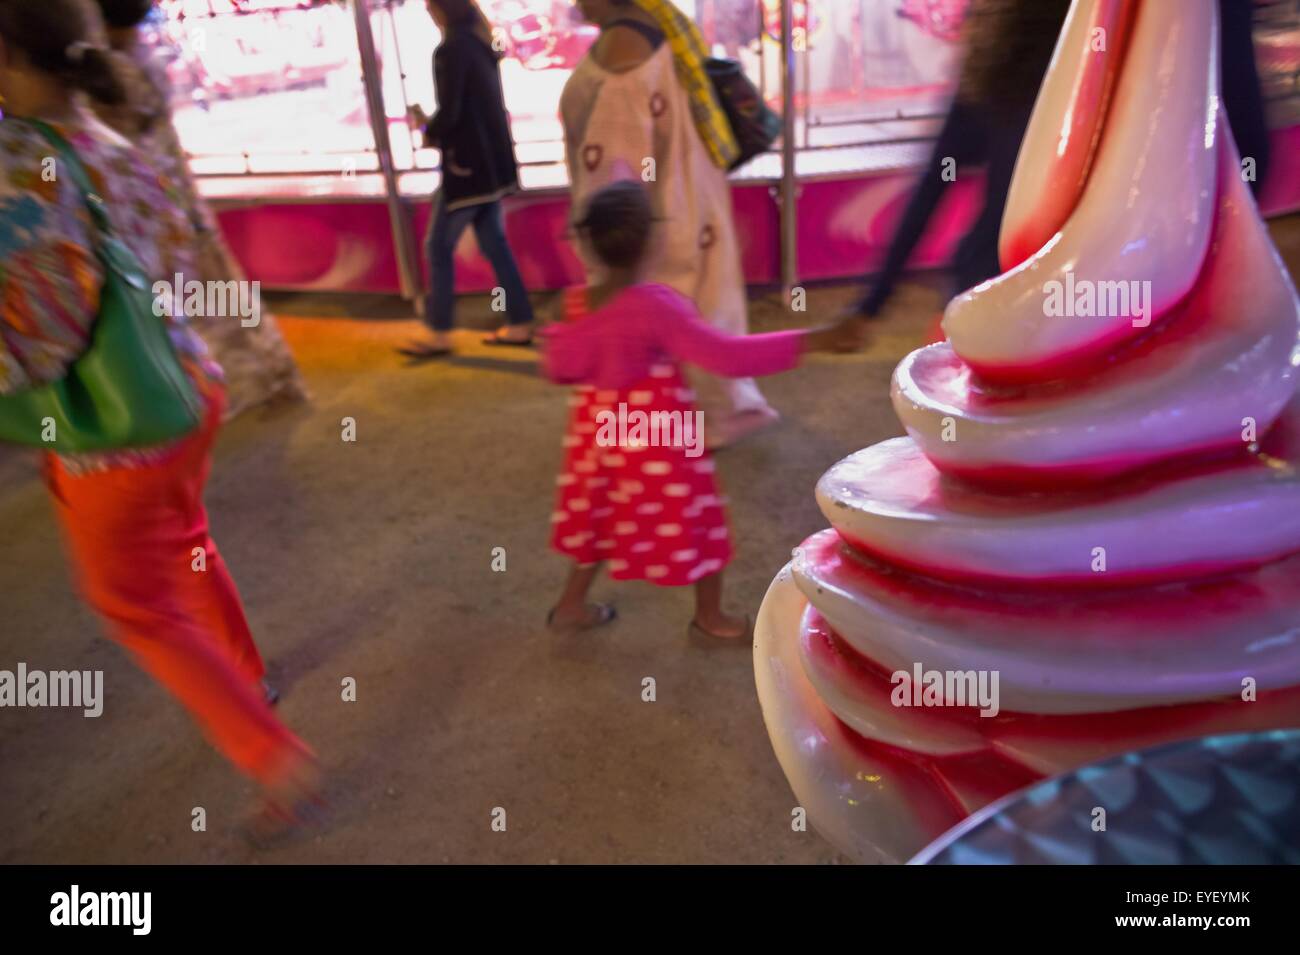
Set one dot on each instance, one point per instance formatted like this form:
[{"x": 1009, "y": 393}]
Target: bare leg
[
  {"x": 572, "y": 611},
  {"x": 709, "y": 616}
]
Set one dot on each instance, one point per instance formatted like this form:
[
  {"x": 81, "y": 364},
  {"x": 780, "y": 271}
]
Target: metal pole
[
  {"x": 789, "y": 234},
  {"x": 807, "y": 77},
  {"x": 397, "y": 58},
  {"x": 398, "y": 215}
]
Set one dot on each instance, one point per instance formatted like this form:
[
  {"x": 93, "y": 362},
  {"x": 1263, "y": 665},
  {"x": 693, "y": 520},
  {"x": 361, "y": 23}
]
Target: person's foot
[
  {"x": 510, "y": 335},
  {"x": 576, "y": 619},
  {"x": 287, "y": 805},
  {"x": 721, "y": 626},
  {"x": 436, "y": 345}
]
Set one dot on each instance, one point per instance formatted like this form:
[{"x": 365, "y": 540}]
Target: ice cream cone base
[{"x": 882, "y": 798}]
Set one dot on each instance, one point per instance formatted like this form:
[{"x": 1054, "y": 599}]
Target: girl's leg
[
  {"x": 489, "y": 229},
  {"x": 572, "y": 611},
  {"x": 709, "y": 615}
]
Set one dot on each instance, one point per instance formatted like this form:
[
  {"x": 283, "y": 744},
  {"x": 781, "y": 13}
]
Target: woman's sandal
[
  {"x": 708, "y": 636},
  {"x": 422, "y": 351},
  {"x": 497, "y": 339},
  {"x": 604, "y": 613},
  {"x": 293, "y": 809},
  {"x": 272, "y": 825}
]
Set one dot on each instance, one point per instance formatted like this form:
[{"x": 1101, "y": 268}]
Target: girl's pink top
[{"x": 616, "y": 345}]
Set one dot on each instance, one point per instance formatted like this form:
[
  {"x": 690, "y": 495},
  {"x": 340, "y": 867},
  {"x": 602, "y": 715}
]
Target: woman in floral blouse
[
  {"x": 133, "y": 521},
  {"x": 257, "y": 363}
]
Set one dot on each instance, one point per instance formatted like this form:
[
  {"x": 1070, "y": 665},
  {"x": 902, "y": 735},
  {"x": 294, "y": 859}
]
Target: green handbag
[{"x": 128, "y": 389}]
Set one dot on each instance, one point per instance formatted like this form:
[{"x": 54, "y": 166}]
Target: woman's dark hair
[
  {"x": 467, "y": 15},
  {"x": 61, "y": 38},
  {"x": 617, "y": 223},
  {"x": 457, "y": 11},
  {"x": 123, "y": 14}
]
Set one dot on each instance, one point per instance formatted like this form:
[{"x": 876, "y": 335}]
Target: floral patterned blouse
[
  {"x": 50, "y": 278},
  {"x": 257, "y": 362}
]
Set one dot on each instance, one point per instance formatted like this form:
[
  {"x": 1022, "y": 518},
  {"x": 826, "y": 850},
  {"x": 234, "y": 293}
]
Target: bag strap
[
  {"x": 652, "y": 35},
  {"x": 80, "y": 178}
]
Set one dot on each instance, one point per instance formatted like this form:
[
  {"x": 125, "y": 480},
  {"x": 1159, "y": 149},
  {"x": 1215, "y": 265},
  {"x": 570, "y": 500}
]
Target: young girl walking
[{"x": 637, "y": 490}]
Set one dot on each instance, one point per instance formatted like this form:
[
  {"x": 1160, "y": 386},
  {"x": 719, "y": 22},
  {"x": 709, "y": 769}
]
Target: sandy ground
[{"x": 372, "y": 560}]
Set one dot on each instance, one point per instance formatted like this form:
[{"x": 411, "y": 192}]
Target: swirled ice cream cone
[{"x": 1085, "y": 544}]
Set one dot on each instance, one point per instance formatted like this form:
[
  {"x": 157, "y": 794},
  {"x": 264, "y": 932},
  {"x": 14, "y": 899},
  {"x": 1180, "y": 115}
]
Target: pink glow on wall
[{"x": 844, "y": 229}]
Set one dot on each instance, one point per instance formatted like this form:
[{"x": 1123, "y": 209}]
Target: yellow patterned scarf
[{"x": 689, "y": 54}]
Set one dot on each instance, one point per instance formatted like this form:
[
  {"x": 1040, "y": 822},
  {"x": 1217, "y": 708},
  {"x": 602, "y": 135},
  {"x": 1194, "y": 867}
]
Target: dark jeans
[
  {"x": 1242, "y": 97},
  {"x": 971, "y": 135},
  {"x": 489, "y": 229}
]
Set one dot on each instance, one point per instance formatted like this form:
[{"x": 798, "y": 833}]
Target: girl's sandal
[
  {"x": 597, "y": 616},
  {"x": 708, "y": 636}
]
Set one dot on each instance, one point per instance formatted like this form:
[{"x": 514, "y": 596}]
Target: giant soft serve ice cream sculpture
[{"x": 1096, "y": 511}]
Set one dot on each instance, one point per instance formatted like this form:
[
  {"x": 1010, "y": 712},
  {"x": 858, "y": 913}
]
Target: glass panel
[
  {"x": 275, "y": 85},
  {"x": 265, "y": 86},
  {"x": 874, "y": 71},
  {"x": 541, "y": 42}
]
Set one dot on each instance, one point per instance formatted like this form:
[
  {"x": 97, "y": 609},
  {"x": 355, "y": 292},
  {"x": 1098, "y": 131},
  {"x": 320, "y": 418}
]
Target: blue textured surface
[{"x": 1216, "y": 800}]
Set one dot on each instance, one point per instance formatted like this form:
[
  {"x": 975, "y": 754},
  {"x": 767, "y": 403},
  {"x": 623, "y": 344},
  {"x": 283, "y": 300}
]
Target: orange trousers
[{"x": 138, "y": 539}]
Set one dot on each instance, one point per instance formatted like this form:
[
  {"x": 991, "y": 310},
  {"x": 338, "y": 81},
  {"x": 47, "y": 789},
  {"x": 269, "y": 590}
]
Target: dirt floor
[{"x": 372, "y": 560}]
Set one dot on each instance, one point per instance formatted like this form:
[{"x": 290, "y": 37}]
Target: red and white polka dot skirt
[{"x": 648, "y": 508}]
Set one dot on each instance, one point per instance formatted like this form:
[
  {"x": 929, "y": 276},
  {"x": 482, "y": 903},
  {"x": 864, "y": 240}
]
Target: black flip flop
[
  {"x": 497, "y": 341},
  {"x": 423, "y": 351}
]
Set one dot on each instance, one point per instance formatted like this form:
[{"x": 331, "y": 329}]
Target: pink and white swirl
[{"x": 1101, "y": 507}]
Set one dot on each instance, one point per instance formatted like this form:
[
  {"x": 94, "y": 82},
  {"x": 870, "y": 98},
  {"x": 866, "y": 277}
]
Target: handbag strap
[{"x": 94, "y": 202}]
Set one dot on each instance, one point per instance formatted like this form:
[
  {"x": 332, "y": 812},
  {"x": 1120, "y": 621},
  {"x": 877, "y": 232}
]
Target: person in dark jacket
[
  {"x": 472, "y": 132},
  {"x": 1009, "y": 44}
]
